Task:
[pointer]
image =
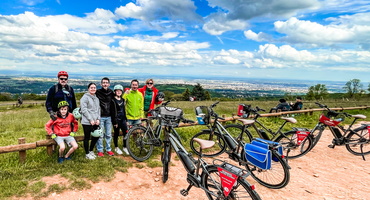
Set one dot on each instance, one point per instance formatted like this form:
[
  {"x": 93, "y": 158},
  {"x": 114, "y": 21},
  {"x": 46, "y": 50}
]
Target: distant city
[{"x": 39, "y": 83}]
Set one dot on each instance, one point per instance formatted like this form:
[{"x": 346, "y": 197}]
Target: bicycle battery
[
  {"x": 186, "y": 161},
  {"x": 337, "y": 132},
  {"x": 230, "y": 142}
]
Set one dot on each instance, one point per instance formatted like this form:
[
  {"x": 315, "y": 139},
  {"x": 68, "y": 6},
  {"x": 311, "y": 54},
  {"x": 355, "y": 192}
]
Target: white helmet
[
  {"x": 77, "y": 113},
  {"x": 97, "y": 132},
  {"x": 118, "y": 87}
]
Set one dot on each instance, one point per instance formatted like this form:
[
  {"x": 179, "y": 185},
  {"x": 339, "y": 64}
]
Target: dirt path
[{"x": 324, "y": 173}]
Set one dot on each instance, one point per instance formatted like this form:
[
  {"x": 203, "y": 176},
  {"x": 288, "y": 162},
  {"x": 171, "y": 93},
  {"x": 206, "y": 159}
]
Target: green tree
[
  {"x": 317, "y": 92},
  {"x": 208, "y": 95},
  {"x": 186, "y": 95},
  {"x": 199, "y": 92},
  {"x": 353, "y": 88}
]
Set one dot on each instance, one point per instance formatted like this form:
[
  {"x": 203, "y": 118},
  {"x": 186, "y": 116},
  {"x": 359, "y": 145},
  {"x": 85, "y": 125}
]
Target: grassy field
[{"x": 28, "y": 121}]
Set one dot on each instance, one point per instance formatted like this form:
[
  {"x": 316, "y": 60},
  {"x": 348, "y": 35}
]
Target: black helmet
[{"x": 160, "y": 95}]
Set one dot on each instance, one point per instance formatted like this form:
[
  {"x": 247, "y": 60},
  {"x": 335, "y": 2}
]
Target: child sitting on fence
[{"x": 62, "y": 130}]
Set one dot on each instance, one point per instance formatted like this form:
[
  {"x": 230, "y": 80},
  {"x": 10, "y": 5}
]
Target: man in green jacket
[{"x": 134, "y": 104}]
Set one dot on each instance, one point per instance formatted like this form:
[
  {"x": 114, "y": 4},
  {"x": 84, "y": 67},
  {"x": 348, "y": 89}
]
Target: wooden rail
[{"x": 50, "y": 144}]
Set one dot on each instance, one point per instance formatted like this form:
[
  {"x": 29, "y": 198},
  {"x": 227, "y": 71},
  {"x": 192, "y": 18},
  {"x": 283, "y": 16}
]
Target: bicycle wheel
[
  {"x": 236, "y": 129},
  {"x": 211, "y": 181},
  {"x": 292, "y": 147},
  {"x": 216, "y": 150},
  {"x": 166, "y": 159},
  {"x": 276, "y": 177},
  {"x": 139, "y": 143},
  {"x": 358, "y": 142},
  {"x": 316, "y": 135}
]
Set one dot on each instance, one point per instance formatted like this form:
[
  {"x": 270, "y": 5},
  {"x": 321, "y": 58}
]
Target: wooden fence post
[
  {"x": 49, "y": 148},
  {"x": 22, "y": 154}
]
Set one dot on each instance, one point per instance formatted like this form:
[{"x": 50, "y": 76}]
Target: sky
[{"x": 284, "y": 39}]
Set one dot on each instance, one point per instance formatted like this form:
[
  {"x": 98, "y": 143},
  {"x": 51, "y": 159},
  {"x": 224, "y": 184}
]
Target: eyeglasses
[
  {"x": 150, "y": 83},
  {"x": 63, "y": 79}
]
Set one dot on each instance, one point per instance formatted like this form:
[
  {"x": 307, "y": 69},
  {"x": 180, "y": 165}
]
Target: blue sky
[{"x": 288, "y": 39}]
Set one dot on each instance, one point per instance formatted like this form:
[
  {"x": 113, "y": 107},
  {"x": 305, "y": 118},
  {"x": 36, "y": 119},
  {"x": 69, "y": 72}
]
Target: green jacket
[{"x": 134, "y": 105}]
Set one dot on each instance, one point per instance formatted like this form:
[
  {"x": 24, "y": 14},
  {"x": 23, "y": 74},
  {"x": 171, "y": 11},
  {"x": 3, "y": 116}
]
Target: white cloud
[{"x": 218, "y": 24}]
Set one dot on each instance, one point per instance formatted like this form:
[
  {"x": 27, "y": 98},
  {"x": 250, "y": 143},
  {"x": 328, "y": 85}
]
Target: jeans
[
  {"x": 106, "y": 125},
  {"x": 133, "y": 122}
]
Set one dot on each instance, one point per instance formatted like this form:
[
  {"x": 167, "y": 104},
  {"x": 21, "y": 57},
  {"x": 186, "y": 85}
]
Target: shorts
[
  {"x": 66, "y": 139},
  {"x": 133, "y": 122}
]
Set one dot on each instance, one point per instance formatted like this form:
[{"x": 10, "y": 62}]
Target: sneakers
[
  {"x": 126, "y": 151},
  {"x": 100, "y": 154},
  {"x": 90, "y": 156},
  {"x": 118, "y": 151},
  {"x": 110, "y": 153},
  {"x": 60, "y": 159},
  {"x": 69, "y": 158}
]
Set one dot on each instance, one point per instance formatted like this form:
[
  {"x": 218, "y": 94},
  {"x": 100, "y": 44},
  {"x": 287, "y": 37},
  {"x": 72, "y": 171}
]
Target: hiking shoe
[
  {"x": 60, "y": 159},
  {"x": 90, "y": 156},
  {"x": 118, "y": 151},
  {"x": 100, "y": 154},
  {"x": 110, "y": 153},
  {"x": 126, "y": 151}
]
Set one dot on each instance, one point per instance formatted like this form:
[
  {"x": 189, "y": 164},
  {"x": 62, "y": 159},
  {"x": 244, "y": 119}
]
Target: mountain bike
[
  {"x": 220, "y": 180},
  {"x": 141, "y": 139},
  {"x": 356, "y": 140},
  {"x": 295, "y": 142},
  {"x": 275, "y": 177}
]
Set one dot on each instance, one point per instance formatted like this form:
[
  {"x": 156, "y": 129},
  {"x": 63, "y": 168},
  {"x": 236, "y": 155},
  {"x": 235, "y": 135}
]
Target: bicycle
[
  {"x": 142, "y": 139},
  {"x": 275, "y": 177},
  {"x": 219, "y": 181},
  {"x": 295, "y": 142},
  {"x": 355, "y": 140}
]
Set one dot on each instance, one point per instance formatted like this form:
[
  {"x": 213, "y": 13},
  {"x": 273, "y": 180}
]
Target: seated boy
[{"x": 62, "y": 130}]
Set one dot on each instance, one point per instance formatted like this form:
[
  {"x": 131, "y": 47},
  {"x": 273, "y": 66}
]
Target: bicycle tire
[
  {"x": 289, "y": 141},
  {"x": 316, "y": 135},
  {"x": 212, "y": 183},
  {"x": 358, "y": 139},
  {"x": 236, "y": 129},
  {"x": 139, "y": 143},
  {"x": 217, "y": 149},
  {"x": 276, "y": 177},
  {"x": 166, "y": 159}
]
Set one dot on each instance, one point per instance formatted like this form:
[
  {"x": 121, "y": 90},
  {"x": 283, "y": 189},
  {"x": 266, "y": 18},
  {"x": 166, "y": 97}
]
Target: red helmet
[{"x": 62, "y": 73}]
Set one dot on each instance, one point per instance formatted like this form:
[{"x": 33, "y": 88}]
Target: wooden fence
[{"x": 50, "y": 144}]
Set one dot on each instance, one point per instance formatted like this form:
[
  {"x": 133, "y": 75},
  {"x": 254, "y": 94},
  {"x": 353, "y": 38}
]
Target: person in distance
[
  {"x": 283, "y": 106},
  {"x": 297, "y": 105}
]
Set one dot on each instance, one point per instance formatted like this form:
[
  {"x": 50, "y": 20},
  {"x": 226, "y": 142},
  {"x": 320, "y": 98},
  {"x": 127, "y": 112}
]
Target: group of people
[
  {"x": 285, "y": 106},
  {"x": 100, "y": 110}
]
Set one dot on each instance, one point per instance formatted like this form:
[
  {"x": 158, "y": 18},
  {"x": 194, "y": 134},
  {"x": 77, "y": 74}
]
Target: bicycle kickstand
[
  {"x": 185, "y": 192},
  {"x": 362, "y": 152}
]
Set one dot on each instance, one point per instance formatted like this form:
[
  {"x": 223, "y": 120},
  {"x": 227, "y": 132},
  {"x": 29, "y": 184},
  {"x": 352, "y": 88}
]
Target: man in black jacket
[
  {"x": 60, "y": 92},
  {"x": 105, "y": 96}
]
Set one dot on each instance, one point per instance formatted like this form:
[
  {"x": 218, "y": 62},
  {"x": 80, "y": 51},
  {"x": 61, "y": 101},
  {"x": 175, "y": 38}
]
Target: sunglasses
[
  {"x": 150, "y": 83},
  {"x": 63, "y": 79}
]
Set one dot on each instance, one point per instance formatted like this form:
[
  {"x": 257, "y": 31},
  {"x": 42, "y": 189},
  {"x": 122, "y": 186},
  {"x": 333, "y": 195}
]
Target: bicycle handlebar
[
  {"x": 166, "y": 103},
  {"x": 332, "y": 112}
]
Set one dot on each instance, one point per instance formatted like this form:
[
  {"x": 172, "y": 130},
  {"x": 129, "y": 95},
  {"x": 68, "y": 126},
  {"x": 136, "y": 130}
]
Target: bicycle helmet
[
  {"x": 77, "y": 113},
  {"x": 160, "y": 95},
  {"x": 62, "y": 103},
  {"x": 97, "y": 132},
  {"x": 118, "y": 87},
  {"x": 62, "y": 73}
]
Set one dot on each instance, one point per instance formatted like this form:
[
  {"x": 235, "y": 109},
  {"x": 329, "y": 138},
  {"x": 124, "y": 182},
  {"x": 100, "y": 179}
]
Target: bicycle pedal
[
  {"x": 184, "y": 192},
  {"x": 331, "y": 146}
]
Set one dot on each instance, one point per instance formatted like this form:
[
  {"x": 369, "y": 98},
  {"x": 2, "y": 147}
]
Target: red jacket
[
  {"x": 154, "y": 95},
  {"x": 62, "y": 126}
]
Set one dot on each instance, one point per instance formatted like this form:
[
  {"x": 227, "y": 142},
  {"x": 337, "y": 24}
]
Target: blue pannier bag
[
  {"x": 258, "y": 156},
  {"x": 270, "y": 145}
]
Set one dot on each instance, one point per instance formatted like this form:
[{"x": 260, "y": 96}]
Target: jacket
[
  {"x": 105, "y": 98},
  {"x": 134, "y": 104},
  {"x": 62, "y": 126},
  {"x": 56, "y": 94},
  {"x": 90, "y": 108},
  {"x": 154, "y": 96},
  {"x": 114, "y": 110}
]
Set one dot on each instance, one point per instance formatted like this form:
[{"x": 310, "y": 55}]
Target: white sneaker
[
  {"x": 118, "y": 151},
  {"x": 92, "y": 154},
  {"x": 126, "y": 151},
  {"x": 90, "y": 157}
]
